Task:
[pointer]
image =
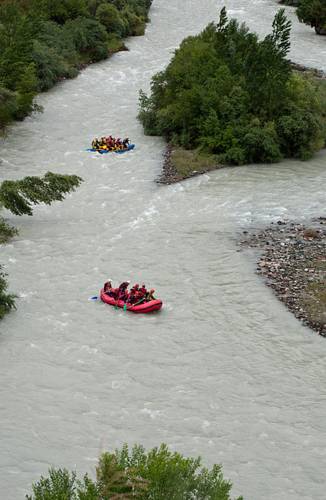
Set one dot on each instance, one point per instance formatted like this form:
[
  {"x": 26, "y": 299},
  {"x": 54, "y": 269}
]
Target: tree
[
  {"x": 88, "y": 36},
  {"x": 158, "y": 474},
  {"x": 61, "y": 11},
  {"x": 109, "y": 16},
  {"x": 313, "y": 12},
  {"x": 19, "y": 196}
]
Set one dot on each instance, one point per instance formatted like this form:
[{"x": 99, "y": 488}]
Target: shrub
[
  {"x": 313, "y": 12},
  {"x": 299, "y": 132},
  {"x": 87, "y": 35},
  {"x": 61, "y": 11},
  {"x": 50, "y": 66},
  {"x": 6, "y": 231},
  {"x": 7, "y": 301},
  {"x": 8, "y": 106},
  {"x": 109, "y": 16}
]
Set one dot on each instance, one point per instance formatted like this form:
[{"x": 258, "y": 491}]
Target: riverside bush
[
  {"x": 228, "y": 93},
  {"x": 313, "y": 12},
  {"x": 7, "y": 301},
  {"x": 158, "y": 474},
  {"x": 44, "y": 41}
]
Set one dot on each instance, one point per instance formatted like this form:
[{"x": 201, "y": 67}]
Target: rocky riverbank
[
  {"x": 293, "y": 264},
  {"x": 313, "y": 72}
]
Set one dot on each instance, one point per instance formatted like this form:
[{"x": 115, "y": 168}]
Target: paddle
[{"x": 95, "y": 297}]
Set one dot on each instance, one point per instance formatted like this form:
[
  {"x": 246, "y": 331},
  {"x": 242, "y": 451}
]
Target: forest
[{"x": 43, "y": 42}]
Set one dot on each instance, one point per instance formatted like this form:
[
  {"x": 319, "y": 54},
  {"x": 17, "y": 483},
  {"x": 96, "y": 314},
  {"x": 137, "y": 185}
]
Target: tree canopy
[
  {"x": 231, "y": 94},
  {"x": 158, "y": 474},
  {"x": 44, "y": 41},
  {"x": 313, "y": 12}
]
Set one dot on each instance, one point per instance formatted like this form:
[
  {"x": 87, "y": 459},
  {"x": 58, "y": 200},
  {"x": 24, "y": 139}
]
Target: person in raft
[
  {"x": 123, "y": 293},
  {"x": 110, "y": 143},
  {"x": 109, "y": 290},
  {"x": 135, "y": 296}
]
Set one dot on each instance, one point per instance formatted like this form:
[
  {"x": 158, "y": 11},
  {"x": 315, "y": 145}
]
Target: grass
[{"x": 190, "y": 162}]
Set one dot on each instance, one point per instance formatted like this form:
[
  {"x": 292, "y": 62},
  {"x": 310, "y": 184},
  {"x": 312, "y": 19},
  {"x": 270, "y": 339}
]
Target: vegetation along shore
[
  {"x": 157, "y": 474},
  {"x": 247, "y": 104},
  {"x": 311, "y": 12},
  {"x": 45, "y": 41},
  {"x": 180, "y": 164},
  {"x": 293, "y": 264}
]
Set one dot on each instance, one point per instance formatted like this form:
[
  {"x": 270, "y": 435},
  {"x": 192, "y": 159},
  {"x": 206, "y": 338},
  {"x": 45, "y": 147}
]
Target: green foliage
[
  {"x": 233, "y": 95},
  {"x": 44, "y": 41},
  {"x": 61, "y": 11},
  {"x": 60, "y": 485},
  {"x": 158, "y": 474},
  {"x": 313, "y": 12},
  {"x": 109, "y": 16},
  {"x": 88, "y": 36},
  {"x": 6, "y": 231},
  {"x": 7, "y": 301},
  {"x": 26, "y": 89},
  {"x": 8, "y": 106},
  {"x": 19, "y": 196}
]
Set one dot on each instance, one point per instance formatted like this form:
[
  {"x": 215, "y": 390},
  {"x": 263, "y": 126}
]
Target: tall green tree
[{"x": 19, "y": 197}]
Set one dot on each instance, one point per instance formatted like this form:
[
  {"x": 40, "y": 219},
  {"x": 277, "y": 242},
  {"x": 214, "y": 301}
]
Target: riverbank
[
  {"x": 180, "y": 164},
  {"x": 293, "y": 264}
]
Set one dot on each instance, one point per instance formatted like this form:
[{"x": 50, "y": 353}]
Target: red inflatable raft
[{"x": 146, "y": 307}]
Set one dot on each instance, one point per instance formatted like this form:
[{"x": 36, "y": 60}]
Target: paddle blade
[
  {"x": 125, "y": 307},
  {"x": 95, "y": 297}
]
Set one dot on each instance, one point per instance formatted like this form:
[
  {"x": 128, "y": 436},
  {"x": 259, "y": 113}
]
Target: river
[{"x": 224, "y": 371}]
